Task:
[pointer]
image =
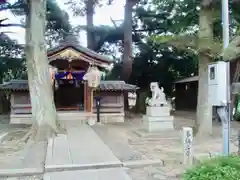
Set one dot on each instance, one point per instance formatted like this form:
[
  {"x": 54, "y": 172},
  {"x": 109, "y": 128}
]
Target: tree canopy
[{"x": 12, "y": 53}]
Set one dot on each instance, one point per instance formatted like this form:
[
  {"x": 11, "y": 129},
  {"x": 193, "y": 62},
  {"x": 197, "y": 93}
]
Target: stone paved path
[
  {"x": 100, "y": 174},
  {"x": 79, "y": 146},
  {"x": 80, "y": 149}
]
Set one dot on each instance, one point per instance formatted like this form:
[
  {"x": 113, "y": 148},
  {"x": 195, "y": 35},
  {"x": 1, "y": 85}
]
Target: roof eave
[{"x": 93, "y": 54}]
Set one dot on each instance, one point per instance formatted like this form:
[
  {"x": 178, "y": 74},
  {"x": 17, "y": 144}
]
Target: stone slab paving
[
  {"x": 79, "y": 146},
  {"x": 101, "y": 174}
]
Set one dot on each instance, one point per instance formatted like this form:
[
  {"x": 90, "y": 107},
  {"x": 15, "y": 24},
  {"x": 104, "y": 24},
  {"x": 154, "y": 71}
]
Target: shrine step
[
  {"x": 82, "y": 117},
  {"x": 73, "y": 116},
  {"x": 61, "y": 116}
]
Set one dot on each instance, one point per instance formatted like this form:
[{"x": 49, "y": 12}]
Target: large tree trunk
[
  {"x": 204, "y": 110},
  {"x": 127, "y": 46},
  {"x": 90, "y": 26},
  {"x": 43, "y": 108},
  {"x": 127, "y": 54}
]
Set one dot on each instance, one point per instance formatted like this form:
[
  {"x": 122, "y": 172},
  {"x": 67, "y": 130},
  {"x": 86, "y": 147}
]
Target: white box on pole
[{"x": 218, "y": 83}]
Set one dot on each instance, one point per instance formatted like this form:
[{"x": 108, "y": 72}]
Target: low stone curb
[
  {"x": 70, "y": 167},
  {"x": 204, "y": 156},
  {"x": 21, "y": 172},
  {"x": 173, "y": 134},
  {"x": 169, "y": 161},
  {"x": 142, "y": 163}
]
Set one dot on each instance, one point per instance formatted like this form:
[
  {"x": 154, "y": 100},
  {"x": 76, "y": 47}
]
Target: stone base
[
  {"x": 158, "y": 111},
  {"x": 158, "y": 123},
  {"x": 112, "y": 118},
  {"x": 91, "y": 121},
  {"x": 72, "y": 116}
]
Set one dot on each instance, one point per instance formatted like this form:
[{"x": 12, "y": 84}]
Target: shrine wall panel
[
  {"x": 20, "y": 103},
  {"x": 111, "y": 102}
]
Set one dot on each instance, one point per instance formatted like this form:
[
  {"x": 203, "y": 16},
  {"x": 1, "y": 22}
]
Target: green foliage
[
  {"x": 233, "y": 49},
  {"x": 104, "y": 34},
  {"x": 79, "y": 6},
  {"x": 167, "y": 16},
  {"x": 12, "y": 62},
  {"x": 155, "y": 62},
  {"x": 161, "y": 64},
  {"x": 175, "y": 22},
  {"x": 57, "y": 19},
  {"x": 220, "y": 168},
  {"x": 11, "y": 59}
]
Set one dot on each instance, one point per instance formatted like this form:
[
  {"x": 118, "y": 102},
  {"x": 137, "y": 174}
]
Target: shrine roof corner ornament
[{"x": 70, "y": 48}]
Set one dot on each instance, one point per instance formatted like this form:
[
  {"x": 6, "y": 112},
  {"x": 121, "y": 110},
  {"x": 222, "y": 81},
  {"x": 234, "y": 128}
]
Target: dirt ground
[
  {"x": 129, "y": 142},
  {"x": 10, "y": 145}
]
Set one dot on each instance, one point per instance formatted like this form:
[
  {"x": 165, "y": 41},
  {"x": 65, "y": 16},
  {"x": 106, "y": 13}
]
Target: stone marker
[{"x": 187, "y": 146}]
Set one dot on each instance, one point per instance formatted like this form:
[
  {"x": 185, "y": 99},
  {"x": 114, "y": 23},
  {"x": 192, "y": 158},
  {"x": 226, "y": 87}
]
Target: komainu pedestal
[
  {"x": 157, "y": 116},
  {"x": 158, "y": 119}
]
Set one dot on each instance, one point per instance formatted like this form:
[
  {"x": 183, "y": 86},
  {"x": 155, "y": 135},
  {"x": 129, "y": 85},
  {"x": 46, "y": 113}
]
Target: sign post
[{"x": 98, "y": 106}]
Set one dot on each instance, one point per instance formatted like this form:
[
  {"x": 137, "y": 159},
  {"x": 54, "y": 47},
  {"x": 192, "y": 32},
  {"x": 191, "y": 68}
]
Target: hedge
[{"x": 219, "y": 168}]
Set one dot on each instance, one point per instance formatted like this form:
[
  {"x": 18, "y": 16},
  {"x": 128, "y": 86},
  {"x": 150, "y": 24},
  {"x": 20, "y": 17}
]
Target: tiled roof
[
  {"x": 22, "y": 85},
  {"x": 188, "y": 79},
  {"x": 116, "y": 85},
  {"x": 15, "y": 85},
  {"x": 71, "y": 41}
]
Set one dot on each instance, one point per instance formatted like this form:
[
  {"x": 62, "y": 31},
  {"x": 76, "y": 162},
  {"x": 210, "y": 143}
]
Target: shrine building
[{"x": 74, "y": 99}]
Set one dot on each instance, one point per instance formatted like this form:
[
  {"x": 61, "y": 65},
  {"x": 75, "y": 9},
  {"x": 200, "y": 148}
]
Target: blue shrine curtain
[{"x": 75, "y": 75}]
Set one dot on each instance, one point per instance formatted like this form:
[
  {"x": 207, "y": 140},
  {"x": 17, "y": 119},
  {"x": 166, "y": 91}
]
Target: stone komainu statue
[{"x": 158, "y": 96}]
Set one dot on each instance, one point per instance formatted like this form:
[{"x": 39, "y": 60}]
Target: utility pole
[{"x": 226, "y": 124}]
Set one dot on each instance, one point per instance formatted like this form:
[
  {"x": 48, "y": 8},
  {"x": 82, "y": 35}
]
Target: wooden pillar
[
  {"x": 11, "y": 102},
  {"x": 88, "y": 98},
  {"x": 85, "y": 96}
]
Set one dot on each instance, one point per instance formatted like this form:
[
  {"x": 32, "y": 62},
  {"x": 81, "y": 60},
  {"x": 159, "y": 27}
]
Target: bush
[{"x": 219, "y": 168}]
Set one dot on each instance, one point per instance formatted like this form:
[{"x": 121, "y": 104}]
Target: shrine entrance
[
  {"x": 68, "y": 64},
  {"x": 69, "y": 95}
]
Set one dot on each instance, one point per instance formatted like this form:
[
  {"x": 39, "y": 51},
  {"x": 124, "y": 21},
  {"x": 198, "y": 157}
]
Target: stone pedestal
[
  {"x": 91, "y": 121},
  {"x": 158, "y": 118}
]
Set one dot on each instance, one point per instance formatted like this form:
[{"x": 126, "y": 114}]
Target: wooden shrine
[{"x": 68, "y": 65}]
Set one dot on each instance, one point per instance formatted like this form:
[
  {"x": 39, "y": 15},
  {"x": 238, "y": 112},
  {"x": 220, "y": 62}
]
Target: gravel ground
[
  {"x": 13, "y": 151},
  {"x": 117, "y": 141},
  {"x": 36, "y": 177},
  {"x": 127, "y": 144},
  {"x": 156, "y": 173}
]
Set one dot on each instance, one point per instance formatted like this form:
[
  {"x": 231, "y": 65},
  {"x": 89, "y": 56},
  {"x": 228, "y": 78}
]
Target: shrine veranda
[{"x": 73, "y": 98}]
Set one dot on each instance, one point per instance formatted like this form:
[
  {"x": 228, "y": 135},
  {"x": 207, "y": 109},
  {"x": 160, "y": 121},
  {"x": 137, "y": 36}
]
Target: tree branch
[
  {"x": 233, "y": 50},
  {"x": 9, "y": 6},
  {"x": 12, "y": 25},
  {"x": 190, "y": 41},
  {"x": 3, "y": 20}
]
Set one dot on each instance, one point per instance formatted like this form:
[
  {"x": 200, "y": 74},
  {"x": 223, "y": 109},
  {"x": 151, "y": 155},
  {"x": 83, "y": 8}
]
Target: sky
[{"x": 102, "y": 16}]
